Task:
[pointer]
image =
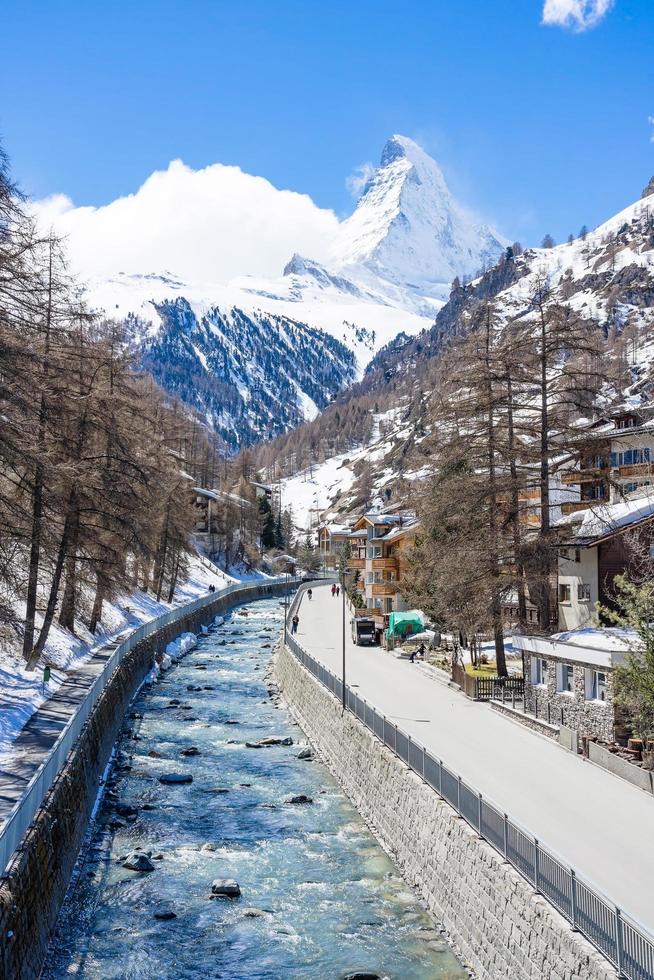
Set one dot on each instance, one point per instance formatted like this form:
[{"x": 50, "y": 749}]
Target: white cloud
[
  {"x": 577, "y": 15},
  {"x": 650, "y": 120},
  {"x": 201, "y": 225},
  {"x": 359, "y": 178}
]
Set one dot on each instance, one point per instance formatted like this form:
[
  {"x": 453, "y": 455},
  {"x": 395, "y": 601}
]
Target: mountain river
[{"x": 319, "y": 897}]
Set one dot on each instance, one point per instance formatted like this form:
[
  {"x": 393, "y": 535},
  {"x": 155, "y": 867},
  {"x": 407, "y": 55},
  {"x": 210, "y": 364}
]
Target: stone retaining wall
[
  {"x": 501, "y": 927},
  {"x": 34, "y": 887}
]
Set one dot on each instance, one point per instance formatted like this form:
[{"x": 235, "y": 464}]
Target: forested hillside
[{"x": 250, "y": 376}]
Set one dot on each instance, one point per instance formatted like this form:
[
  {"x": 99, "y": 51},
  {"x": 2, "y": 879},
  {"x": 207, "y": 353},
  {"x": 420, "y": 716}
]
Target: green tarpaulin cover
[{"x": 404, "y": 623}]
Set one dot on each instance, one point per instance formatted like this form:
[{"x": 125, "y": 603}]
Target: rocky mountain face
[
  {"x": 251, "y": 376},
  {"x": 259, "y": 356},
  {"x": 409, "y": 231}
]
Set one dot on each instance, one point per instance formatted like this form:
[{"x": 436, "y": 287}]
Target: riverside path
[{"x": 592, "y": 820}]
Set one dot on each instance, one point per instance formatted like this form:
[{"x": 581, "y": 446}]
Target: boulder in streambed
[
  {"x": 265, "y": 743},
  {"x": 164, "y": 914},
  {"x": 175, "y": 778},
  {"x": 225, "y": 888},
  {"x": 306, "y": 754},
  {"x": 361, "y": 975},
  {"x": 300, "y": 799},
  {"x": 192, "y": 750},
  {"x": 138, "y": 861}
]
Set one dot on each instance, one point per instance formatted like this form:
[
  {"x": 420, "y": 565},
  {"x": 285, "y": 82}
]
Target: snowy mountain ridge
[{"x": 390, "y": 273}]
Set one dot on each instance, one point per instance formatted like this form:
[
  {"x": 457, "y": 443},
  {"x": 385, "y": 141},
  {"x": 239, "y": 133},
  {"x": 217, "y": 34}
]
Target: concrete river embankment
[{"x": 318, "y": 896}]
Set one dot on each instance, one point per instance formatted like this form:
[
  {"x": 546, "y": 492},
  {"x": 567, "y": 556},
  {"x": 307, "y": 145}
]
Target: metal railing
[
  {"x": 625, "y": 943},
  {"x": 23, "y": 813}
]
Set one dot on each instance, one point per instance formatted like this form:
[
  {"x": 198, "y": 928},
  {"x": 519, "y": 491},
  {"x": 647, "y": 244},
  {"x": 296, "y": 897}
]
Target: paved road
[
  {"x": 595, "y": 821},
  {"x": 43, "y": 728}
]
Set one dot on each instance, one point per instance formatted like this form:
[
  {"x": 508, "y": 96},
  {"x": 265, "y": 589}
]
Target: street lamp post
[
  {"x": 343, "y": 594},
  {"x": 285, "y": 603}
]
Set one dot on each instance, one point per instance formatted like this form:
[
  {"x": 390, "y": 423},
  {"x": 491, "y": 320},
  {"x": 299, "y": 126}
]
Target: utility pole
[{"x": 285, "y": 603}]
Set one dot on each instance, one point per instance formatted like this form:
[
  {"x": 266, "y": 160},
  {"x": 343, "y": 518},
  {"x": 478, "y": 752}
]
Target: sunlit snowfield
[{"x": 327, "y": 899}]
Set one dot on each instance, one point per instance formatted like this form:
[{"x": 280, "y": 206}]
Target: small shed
[{"x": 403, "y": 624}]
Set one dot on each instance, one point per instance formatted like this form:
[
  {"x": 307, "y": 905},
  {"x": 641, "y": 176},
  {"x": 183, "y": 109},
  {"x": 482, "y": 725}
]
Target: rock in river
[
  {"x": 165, "y": 914},
  {"x": 192, "y": 750},
  {"x": 306, "y": 753},
  {"x": 264, "y": 743},
  {"x": 299, "y": 800},
  {"x": 225, "y": 888},
  {"x": 138, "y": 861},
  {"x": 174, "y": 778}
]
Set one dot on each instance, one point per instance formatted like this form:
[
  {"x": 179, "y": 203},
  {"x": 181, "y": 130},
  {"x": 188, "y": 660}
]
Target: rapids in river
[{"x": 319, "y": 897}]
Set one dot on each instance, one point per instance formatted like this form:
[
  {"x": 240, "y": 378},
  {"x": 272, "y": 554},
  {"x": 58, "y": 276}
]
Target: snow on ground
[
  {"x": 22, "y": 691},
  {"x": 314, "y": 493}
]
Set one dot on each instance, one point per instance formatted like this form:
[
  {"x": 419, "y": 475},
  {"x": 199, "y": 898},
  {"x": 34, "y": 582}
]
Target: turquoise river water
[{"x": 319, "y": 897}]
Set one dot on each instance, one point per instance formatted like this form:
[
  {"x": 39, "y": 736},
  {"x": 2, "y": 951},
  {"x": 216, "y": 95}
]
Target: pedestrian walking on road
[
  {"x": 338, "y": 591},
  {"x": 310, "y": 594},
  {"x": 412, "y": 656},
  {"x": 421, "y": 651},
  {"x": 333, "y": 590},
  {"x": 295, "y": 622}
]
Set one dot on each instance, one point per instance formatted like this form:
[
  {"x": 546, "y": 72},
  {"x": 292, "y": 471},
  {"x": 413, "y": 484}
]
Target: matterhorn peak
[{"x": 408, "y": 229}]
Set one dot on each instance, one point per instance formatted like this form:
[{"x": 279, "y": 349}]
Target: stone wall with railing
[{"x": 497, "y": 922}]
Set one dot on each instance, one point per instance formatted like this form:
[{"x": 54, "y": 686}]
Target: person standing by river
[{"x": 295, "y": 622}]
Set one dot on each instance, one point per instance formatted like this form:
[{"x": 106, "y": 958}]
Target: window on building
[
  {"x": 583, "y": 592},
  {"x": 564, "y": 593},
  {"x": 539, "y": 671},
  {"x": 630, "y": 457},
  {"x": 597, "y": 492},
  {"x": 595, "y": 685},
  {"x": 565, "y": 679}
]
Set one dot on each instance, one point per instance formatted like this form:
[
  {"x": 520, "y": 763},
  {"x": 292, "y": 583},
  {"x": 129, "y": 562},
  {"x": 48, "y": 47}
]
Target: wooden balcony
[
  {"x": 384, "y": 588},
  {"x": 591, "y": 475},
  {"x": 572, "y": 506},
  {"x": 636, "y": 469},
  {"x": 356, "y": 563},
  {"x": 379, "y": 564}
]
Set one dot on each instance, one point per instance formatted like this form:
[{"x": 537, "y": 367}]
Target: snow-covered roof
[
  {"x": 397, "y": 532},
  {"x": 607, "y": 519},
  {"x": 601, "y": 647}
]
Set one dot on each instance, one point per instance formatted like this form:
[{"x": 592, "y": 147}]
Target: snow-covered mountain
[
  {"x": 390, "y": 271},
  {"x": 408, "y": 230}
]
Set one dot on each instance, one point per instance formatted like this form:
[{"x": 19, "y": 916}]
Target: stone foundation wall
[
  {"x": 34, "y": 887},
  {"x": 528, "y": 721},
  {"x": 500, "y": 926}
]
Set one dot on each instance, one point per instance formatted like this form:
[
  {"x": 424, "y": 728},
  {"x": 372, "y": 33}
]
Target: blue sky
[{"x": 539, "y": 128}]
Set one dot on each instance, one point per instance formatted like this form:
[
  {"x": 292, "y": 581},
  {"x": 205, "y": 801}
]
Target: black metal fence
[{"x": 623, "y": 942}]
